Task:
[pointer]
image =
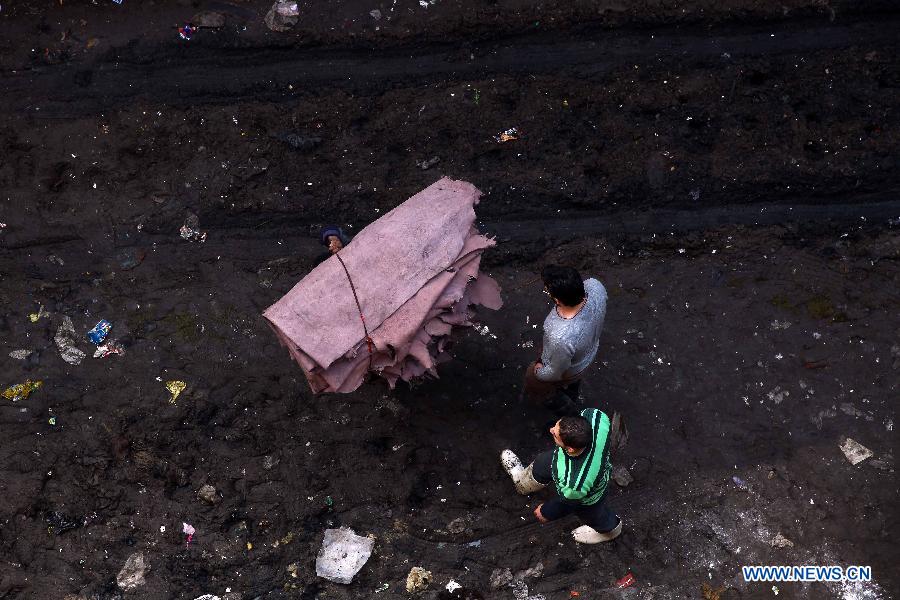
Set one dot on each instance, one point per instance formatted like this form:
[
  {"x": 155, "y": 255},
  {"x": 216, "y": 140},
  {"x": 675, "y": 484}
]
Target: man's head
[
  {"x": 564, "y": 284},
  {"x": 333, "y": 237},
  {"x": 572, "y": 434}
]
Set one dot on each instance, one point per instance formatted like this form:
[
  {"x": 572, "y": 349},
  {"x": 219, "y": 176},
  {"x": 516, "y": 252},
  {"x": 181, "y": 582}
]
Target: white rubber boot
[
  {"x": 588, "y": 535},
  {"x": 522, "y": 476}
]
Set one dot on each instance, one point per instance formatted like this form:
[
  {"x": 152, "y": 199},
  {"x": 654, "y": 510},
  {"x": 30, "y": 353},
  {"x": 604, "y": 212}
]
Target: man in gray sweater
[{"x": 571, "y": 338}]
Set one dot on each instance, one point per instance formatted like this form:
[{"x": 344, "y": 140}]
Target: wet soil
[{"x": 728, "y": 171}]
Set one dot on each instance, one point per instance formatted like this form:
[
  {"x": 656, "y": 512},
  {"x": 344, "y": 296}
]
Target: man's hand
[{"x": 539, "y": 515}]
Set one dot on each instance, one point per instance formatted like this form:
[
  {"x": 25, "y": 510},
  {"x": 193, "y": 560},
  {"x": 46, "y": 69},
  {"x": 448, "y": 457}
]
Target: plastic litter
[
  {"x": 190, "y": 231},
  {"x": 175, "y": 388},
  {"x": 35, "y": 317},
  {"x": 52, "y": 420},
  {"x": 186, "y": 31},
  {"x": 779, "y": 541},
  {"x": 417, "y": 580},
  {"x": 382, "y": 587},
  {"x": 283, "y": 15},
  {"x": 21, "y": 354},
  {"x": 21, "y": 391},
  {"x": 208, "y": 597},
  {"x": 342, "y": 555},
  {"x": 500, "y": 578},
  {"x": 507, "y": 136},
  {"x": 452, "y": 586},
  {"x": 133, "y": 572},
  {"x": 854, "y": 451},
  {"x": 739, "y": 482},
  {"x": 110, "y": 347},
  {"x": 189, "y": 531},
  {"x": 99, "y": 332},
  {"x": 65, "y": 342},
  {"x": 626, "y": 581}
]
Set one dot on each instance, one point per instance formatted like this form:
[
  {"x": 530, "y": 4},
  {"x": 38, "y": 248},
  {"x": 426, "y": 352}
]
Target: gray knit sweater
[{"x": 570, "y": 345}]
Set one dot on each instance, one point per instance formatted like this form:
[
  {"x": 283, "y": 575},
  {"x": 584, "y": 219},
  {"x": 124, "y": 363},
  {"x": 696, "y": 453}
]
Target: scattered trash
[
  {"x": 854, "y": 451},
  {"x": 208, "y": 494},
  {"x": 21, "y": 391},
  {"x": 207, "y": 597},
  {"x": 535, "y": 571},
  {"x": 293, "y": 569},
  {"x": 574, "y": 594},
  {"x": 815, "y": 364},
  {"x": 249, "y": 545},
  {"x": 133, "y": 573},
  {"x": 21, "y": 354},
  {"x": 190, "y": 231},
  {"x": 298, "y": 141},
  {"x": 186, "y": 31},
  {"x": 777, "y": 395},
  {"x": 129, "y": 258},
  {"x": 209, "y": 19},
  {"x": 175, "y": 388},
  {"x": 500, "y": 578},
  {"x": 483, "y": 330},
  {"x": 52, "y": 420},
  {"x": 118, "y": 1},
  {"x": 710, "y": 593},
  {"x": 457, "y": 526},
  {"x": 739, "y": 482},
  {"x": 382, "y": 587},
  {"x": 35, "y": 317},
  {"x": 474, "y": 544},
  {"x": 189, "y": 531},
  {"x": 375, "y": 14},
  {"x": 99, "y": 332},
  {"x": 59, "y": 522},
  {"x": 283, "y": 15},
  {"x": 626, "y": 581},
  {"x": 452, "y": 586},
  {"x": 428, "y": 163},
  {"x": 342, "y": 555},
  {"x": 621, "y": 476},
  {"x": 417, "y": 580},
  {"x": 329, "y": 502},
  {"x": 506, "y": 136},
  {"x": 775, "y": 589},
  {"x": 65, "y": 342},
  {"x": 110, "y": 347},
  {"x": 779, "y": 541}
]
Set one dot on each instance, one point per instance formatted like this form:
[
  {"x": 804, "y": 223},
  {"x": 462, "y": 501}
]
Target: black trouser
[{"x": 596, "y": 515}]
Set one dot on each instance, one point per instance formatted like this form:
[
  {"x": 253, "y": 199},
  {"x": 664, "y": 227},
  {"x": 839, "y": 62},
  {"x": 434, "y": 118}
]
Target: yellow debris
[{"x": 175, "y": 388}]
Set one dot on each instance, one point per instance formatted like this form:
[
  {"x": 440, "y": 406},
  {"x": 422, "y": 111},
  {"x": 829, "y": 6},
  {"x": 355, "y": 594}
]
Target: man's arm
[{"x": 555, "y": 361}]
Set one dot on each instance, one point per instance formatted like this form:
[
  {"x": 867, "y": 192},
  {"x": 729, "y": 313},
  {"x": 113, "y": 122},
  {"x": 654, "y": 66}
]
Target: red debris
[{"x": 626, "y": 581}]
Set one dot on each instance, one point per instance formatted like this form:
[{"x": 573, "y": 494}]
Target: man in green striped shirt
[{"x": 579, "y": 469}]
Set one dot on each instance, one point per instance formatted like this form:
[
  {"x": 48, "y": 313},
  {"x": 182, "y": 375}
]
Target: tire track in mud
[{"x": 264, "y": 74}]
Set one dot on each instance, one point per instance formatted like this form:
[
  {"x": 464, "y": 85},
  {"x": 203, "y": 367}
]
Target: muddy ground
[{"x": 727, "y": 169}]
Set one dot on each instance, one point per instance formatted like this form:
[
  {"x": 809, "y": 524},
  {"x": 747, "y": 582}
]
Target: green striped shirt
[{"x": 584, "y": 478}]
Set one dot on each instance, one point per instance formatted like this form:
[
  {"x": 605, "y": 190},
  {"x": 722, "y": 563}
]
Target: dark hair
[
  {"x": 575, "y": 432},
  {"x": 333, "y": 230},
  {"x": 564, "y": 284}
]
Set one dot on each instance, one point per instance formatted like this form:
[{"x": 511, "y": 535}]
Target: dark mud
[{"x": 736, "y": 192}]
